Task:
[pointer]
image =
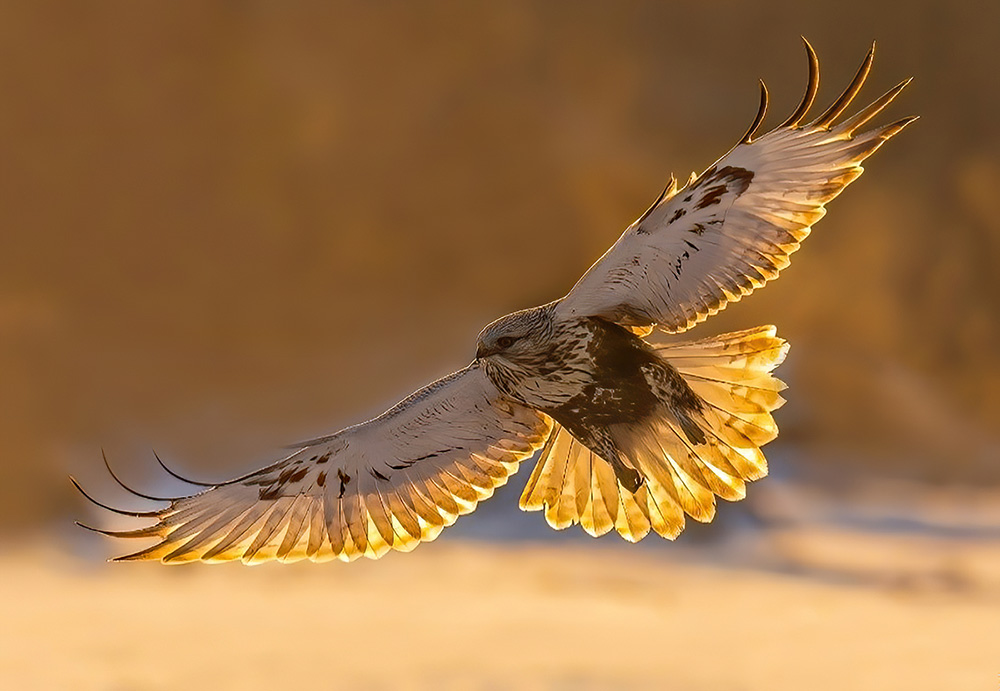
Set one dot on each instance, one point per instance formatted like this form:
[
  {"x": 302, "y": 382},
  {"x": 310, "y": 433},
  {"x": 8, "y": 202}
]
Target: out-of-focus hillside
[{"x": 229, "y": 226}]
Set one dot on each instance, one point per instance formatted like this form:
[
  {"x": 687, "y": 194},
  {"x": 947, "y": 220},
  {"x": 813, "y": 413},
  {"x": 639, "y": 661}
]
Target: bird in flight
[{"x": 632, "y": 435}]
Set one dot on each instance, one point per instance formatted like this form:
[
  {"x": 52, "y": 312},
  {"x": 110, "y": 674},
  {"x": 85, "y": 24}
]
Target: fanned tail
[{"x": 731, "y": 376}]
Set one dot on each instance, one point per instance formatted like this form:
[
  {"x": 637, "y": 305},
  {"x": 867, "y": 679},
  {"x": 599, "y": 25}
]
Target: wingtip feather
[
  {"x": 759, "y": 118},
  {"x": 121, "y": 512},
  {"x": 812, "y": 87},
  {"x": 844, "y": 100},
  {"x": 852, "y": 124},
  {"x": 196, "y": 483},
  {"x": 121, "y": 484}
]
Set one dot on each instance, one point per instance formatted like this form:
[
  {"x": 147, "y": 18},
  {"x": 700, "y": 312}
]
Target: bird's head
[{"x": 516, "y": 336}]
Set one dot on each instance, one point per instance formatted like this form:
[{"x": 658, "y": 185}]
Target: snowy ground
[{"x": 808, "y": 587}]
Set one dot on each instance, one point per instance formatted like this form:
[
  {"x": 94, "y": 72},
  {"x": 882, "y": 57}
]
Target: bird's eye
[{"x": 506, "y": 341}]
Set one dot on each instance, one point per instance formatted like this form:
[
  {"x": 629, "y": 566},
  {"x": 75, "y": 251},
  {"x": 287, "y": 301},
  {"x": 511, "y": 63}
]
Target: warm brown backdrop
[
  {"x": 225, "y": 226},
  {"x": 228, "y": 226}
]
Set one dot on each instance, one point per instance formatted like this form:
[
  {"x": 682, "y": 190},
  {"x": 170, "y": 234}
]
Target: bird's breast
[{"x": 592, "y": 370}]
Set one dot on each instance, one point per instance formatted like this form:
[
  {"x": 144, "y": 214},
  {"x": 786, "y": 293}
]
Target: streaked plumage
[{"x": 634, "y": 436}]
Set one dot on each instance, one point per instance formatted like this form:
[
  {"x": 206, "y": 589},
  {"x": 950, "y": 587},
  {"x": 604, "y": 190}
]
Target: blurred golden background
[{"x": 229, "y": 226}]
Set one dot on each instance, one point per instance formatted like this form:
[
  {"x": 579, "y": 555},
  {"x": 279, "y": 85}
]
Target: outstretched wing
[
  {"x": 389, "y": 483},
  {"x": 732, "y": 228}
]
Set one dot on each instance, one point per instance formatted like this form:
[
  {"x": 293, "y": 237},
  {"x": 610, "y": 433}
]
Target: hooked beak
[{"x": 481, "y": 352}]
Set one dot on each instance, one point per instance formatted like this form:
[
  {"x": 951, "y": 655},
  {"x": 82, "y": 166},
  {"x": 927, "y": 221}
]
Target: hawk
[{"x": 633, "y": 435}]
